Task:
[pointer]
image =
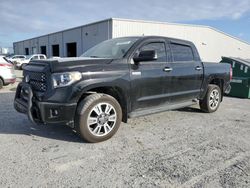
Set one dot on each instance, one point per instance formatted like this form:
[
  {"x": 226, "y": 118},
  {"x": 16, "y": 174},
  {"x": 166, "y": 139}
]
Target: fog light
[{"x": 53, "y": 113}]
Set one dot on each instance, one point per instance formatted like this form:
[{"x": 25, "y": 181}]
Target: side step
[{"x": 143, "y": 112}]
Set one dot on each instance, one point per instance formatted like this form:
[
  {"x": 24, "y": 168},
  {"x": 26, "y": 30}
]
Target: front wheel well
[
  {"x": 2, "y": 79},
  {"x": 114, "y": 92}
]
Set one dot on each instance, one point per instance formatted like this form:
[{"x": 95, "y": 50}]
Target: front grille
[
  {"x": 37, "y": 80},
  {"x": 38, "y": 86},
  {"x": 37, "y": 76}
]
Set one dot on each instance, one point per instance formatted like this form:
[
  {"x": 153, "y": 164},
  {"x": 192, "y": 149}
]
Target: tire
[
  {"x": 212, "y": 99},
  {"x": 98, "y": 118},
  {"x": 22, "y": 66},
  {"x": 1, "y": 83}
]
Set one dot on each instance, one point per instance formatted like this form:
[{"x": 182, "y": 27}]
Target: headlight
[{"x": 65, "y": 79}]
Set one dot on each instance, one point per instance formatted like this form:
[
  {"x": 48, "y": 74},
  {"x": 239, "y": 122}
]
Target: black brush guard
[{"x": 23, "y": 100}]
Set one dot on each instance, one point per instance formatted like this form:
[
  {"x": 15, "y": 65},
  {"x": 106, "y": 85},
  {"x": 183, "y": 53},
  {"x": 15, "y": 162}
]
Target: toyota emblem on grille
[{"x": 27, "y": 78}]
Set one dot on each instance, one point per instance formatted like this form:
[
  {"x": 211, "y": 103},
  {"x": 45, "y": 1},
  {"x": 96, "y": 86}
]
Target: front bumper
[
  {"x": 43, "y": 112},
  {"x": 10, "y": 81}
]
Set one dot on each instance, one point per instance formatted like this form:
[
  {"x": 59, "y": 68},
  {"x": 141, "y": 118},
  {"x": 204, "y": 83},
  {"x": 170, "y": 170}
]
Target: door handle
[
  {"x": 167, "y": 69},
  {"x": 198, "y": 68}
]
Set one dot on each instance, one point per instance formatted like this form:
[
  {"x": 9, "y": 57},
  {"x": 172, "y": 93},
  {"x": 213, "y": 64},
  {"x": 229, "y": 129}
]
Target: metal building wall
[
  {"x": 18, "y": 47},
  {"x": 211, "y": 44},
  {"x": 26, "y": 44},
  {"x": 71, "y": 36},
  {"x": 85, "y": 36},
  {"x": 34, "y": 46},
  {"x": 43, "y": 41},
  {"x": 96, "y": 33},
  {"x": 56, "y": 39}
]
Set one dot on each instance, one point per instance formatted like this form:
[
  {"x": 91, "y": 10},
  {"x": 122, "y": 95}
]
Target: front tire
[
  {"x": 98, "y": 117},
  {"x": 211, "y": 101},
  {"x": 1, "y": 83},
  {"x": 22, "y": 66}
]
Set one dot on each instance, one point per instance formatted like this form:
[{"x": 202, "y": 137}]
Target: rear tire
[
  {"x": 212, "y": 99},
  {"x": 98, "y": 117}
]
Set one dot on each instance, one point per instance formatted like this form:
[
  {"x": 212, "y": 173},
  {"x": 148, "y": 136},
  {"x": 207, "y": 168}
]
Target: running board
[{"x": 155, "y": 110}]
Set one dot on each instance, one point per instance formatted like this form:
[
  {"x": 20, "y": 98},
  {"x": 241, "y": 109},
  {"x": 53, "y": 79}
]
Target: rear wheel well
[
  {"x": 114, "y": 92},
  {"x": 218, "y": 82}
]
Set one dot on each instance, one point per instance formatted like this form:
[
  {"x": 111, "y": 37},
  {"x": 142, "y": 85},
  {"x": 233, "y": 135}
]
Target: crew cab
[{"x": 119, "y": 79}]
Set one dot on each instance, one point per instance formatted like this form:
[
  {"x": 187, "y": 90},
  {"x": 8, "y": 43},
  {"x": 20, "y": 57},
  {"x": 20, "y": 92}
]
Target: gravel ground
[{"x": 182, "y": 148}]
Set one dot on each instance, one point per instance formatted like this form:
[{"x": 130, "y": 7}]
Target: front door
[{"x": 148, "y": 79}]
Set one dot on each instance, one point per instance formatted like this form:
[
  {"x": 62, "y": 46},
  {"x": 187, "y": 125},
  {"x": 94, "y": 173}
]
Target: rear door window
[
  {"x": 34, "y": 57},
  {"x": 181, "y": 52},
  {"x": 42, "y": 57}
]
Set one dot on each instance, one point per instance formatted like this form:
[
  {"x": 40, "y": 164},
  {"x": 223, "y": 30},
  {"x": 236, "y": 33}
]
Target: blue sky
[{"x": 24, "y": 19}]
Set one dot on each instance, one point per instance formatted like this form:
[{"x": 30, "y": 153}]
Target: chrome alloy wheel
[
  {"x": 101, "y": 119},
  {"x": 214, "y": 99}
]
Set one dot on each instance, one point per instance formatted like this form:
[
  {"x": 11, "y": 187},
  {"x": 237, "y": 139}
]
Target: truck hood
[{"x": 73, "y": 64}]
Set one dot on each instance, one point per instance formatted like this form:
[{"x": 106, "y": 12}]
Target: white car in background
[
  {"x": 55, "y": 57},
  {"x": 29, "y": 58},
  {"x": 7, "y": 75},
  {"x": 16, "y": 58}
]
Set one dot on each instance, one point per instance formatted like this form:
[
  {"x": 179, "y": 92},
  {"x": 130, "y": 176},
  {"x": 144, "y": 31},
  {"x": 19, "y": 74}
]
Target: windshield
[{"x": 114, "y": 48}]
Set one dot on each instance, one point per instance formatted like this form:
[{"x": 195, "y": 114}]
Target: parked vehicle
[
  {"x": 55, "y": 57},
  {"x": 16, "y": 58},
  {"x": 119, "y": 79},
  {"x": 23, "y": 62},
  {"x": 7, "y": 75}
]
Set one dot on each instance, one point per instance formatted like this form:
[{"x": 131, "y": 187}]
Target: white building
[
  {"x": 210, "y": 42},
  {"x": 6, "y": 51}
]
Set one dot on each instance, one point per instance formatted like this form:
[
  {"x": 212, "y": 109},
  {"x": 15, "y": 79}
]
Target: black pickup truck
[{"x": 119, "y": 79}]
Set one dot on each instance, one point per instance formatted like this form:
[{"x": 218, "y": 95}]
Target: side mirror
[{"x": 147, "y": 55}]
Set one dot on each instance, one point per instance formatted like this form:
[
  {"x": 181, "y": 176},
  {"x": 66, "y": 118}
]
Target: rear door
[
  {"x": 186, "y": 73},
  {"x": 148, "y": 79}
]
